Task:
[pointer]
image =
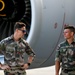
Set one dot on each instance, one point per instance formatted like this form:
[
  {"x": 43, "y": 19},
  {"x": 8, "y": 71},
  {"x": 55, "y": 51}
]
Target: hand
[
  {"x": 5, "y": 67},
  {"x": 25, "y": 66}
]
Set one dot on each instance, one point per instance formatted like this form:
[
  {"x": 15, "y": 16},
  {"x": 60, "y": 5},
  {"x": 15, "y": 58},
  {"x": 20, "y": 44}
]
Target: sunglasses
[{"x": 22, "y": 30}]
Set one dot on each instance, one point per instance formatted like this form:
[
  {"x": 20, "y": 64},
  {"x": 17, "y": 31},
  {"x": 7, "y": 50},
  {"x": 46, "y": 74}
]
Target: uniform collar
[{"x": 71, "y": 43}]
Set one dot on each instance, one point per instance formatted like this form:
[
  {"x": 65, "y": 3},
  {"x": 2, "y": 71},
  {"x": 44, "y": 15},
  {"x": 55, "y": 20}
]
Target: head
[
  {"x": 69, "y": 32},
  {"x": 20, "y": 29}
]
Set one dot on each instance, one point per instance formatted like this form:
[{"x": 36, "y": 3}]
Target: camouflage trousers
[
  {"x": 68, "y": 73},
  {"x": 15, "y": 71},
  {"x": 7, "y": 73}
]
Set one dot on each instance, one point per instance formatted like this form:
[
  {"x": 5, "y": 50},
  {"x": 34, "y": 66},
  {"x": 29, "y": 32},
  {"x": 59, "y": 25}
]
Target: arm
[
  {"x": 57, "y": 60},
  {"x": 0, "y": 64},
  {"x": 28, "y": 49},
  {"x": 57, "y": 67},
  {"x": 30, "y": 59},
  {"x": 31, "y": 54},
  {"x": 26, "y": 65}
]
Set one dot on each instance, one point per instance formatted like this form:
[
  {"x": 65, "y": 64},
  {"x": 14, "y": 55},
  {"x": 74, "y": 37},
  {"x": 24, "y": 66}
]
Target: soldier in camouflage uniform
[
  {"x": 65, "y": 53},
  {"x": 13, "y": 48}
]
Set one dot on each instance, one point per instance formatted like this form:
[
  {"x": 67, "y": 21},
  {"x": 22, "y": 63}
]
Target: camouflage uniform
[
  {"x": 14, "y": 54},
  {"x": 65, "y": 53}
]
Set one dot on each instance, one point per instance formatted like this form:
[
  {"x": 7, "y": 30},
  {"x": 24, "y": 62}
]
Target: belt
[
  {"x": 16, "y": 67},
  {"x": 67, "y": 70}
]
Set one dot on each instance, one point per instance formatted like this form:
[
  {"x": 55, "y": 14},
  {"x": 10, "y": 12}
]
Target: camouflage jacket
[
  {"x": 14, "y": 51},
  {"x": 65, "y": 53}
]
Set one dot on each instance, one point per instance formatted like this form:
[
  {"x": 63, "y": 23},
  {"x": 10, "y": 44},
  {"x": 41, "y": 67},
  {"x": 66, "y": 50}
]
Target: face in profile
[
  {"x": 67, "y": 33},
  {"x": 21, "y": 32}
]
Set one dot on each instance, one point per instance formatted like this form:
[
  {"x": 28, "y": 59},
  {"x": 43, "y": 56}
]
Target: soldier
[
  {"x": 65, "y": 53},
  {"x": 13, "y": 48}
]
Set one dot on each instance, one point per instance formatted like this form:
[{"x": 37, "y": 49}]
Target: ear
[
  {"x": 72, "y": 33},
  {"x": 16, "y": 30}
]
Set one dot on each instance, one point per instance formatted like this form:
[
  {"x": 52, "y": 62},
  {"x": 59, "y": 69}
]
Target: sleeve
[
  {"x": 2, "y": 47},
  {"x": 58, "y": 55},
  {"x": 29, "y": 50}
]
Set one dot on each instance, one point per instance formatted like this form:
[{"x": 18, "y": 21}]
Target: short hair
[
  {"x": 72, "y": 28},
  {"x": 19, "y": 25}
]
